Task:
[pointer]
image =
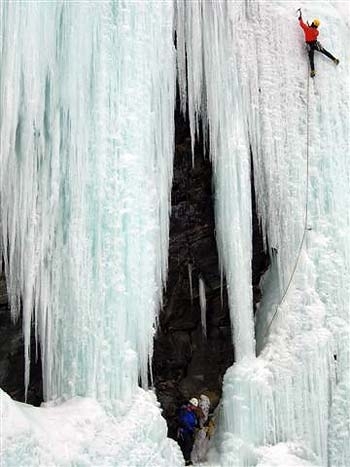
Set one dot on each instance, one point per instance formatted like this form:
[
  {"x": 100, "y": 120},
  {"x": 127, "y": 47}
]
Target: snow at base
[{"x": 82, "y": 432}]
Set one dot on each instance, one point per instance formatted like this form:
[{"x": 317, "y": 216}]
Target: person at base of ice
[
  {"x": 311, "y": 34},
  {"x": 204, "y": 405},
  {"x": 200, "y": 446},
  {"x": 188, "y": 420}
]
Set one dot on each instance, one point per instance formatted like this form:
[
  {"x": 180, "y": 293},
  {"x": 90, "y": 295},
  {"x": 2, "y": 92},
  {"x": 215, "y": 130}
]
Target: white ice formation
[{"x": 86, "y": 109}]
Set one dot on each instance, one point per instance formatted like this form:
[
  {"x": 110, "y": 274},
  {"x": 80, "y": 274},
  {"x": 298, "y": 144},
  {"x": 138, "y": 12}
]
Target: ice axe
[{"x": 300, "y": 15}]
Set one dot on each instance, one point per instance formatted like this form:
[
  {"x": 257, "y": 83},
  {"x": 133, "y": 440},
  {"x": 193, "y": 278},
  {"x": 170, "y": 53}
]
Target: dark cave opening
[{"x": 185, "y": 362}]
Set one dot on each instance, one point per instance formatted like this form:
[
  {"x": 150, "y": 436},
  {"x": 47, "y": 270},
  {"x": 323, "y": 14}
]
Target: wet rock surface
[{"x": 187, "y": 362}]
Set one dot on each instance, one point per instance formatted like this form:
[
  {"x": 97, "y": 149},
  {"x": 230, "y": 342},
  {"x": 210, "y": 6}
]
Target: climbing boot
[
  {"x": 336, "y": 61},
  {"x": 313, "y": 73}
]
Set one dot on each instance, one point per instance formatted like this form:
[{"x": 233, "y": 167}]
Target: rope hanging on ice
[{"x": 306, "y": 228}]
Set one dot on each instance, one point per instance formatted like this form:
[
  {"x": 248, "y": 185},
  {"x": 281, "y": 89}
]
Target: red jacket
[{"x": 310, "y": 33}]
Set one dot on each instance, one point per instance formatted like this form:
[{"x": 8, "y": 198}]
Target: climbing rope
[{"x": 306, "y": 213}]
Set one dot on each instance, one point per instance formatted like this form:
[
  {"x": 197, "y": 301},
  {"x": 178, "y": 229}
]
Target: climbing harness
[{"x": 306, "y": 227}]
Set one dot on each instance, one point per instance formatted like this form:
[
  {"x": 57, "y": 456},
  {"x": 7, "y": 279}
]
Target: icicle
[
  {"x": 87, "y": 149},
  {"x": 190, "y": 281},
  {"x": 284, "y": 395},
  {"x": 214, "y": 97},
  {"x": 203, "y": 306}
]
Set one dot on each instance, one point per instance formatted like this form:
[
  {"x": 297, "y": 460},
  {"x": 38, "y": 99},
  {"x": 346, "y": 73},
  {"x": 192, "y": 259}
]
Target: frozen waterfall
[
  {"x": 87, "y": 149},
  {"x": 87, "y": 97},
  {"x": 203, "y": 306}
]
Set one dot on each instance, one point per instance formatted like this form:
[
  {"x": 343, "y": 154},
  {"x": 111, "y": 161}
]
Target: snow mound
[
  {"x": 81, "y": 432},
  {"x": 286, "y": 454}
]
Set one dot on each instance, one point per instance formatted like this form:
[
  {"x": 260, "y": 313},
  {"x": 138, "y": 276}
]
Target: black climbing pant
[
  {"x": 315, "y": 45},
  {"x": 186, "y": 441}
]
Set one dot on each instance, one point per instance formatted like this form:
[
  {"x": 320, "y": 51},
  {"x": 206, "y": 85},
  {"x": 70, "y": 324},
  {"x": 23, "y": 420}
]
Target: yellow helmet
[{"x": 316, "y": 22}]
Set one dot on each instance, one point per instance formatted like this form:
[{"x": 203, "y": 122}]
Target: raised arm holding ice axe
[{"x": 311, "y": 33}]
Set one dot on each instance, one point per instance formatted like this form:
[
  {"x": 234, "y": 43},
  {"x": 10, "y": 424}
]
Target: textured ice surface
[
  {"x": 86, "y": 109},
  {"x": 87, "y": 133},
  {"x": 248, "y": 80},
  {"x": 203, "y": 306},
  {"x": 81, "y": 432}
]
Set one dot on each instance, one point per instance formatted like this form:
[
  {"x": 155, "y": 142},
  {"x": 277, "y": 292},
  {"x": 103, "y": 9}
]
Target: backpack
[{"x": 187, "y": 419}]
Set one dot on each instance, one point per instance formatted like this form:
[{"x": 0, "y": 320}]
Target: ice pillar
[{"x": 87, "y": 131}]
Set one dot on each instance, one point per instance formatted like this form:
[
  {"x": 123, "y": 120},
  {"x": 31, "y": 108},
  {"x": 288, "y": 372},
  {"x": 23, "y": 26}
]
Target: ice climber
[
  {"x": 311, "y": 34},
  {"x": 188, "y": 420}
]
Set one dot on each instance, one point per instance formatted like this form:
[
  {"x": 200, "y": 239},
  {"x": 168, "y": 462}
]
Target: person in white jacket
[{"x": 200, "y": 446}]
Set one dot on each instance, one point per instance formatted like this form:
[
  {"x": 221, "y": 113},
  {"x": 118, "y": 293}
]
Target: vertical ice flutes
[
  {"x": 87, "y": 130},
  {"x": 247, "y": 84}
]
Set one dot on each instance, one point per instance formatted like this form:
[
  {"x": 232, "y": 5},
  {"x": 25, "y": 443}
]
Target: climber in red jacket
[{"x": 311, "y": 33}]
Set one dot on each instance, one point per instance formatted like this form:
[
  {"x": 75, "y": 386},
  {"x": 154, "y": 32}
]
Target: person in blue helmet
[{"x": 188, "y": 421}]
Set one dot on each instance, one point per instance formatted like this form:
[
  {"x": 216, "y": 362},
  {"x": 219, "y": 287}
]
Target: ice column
[
  {"x": 87, "y": 129},
  {"x": 207, "y": 72},
  {"x": 241, "y": 81}
]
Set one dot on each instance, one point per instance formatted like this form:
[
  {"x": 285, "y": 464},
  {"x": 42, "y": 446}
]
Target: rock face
[
  {"x": 187, "y": 363},
  {"x": 12, "y": 356}
]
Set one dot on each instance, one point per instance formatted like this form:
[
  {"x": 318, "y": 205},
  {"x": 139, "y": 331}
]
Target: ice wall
[
  {"x": 203, "y": 306},
  {"x": 87, "y": 128},
  {"x": 86, "y": 108},
  {"x": 247, "y": 79}
]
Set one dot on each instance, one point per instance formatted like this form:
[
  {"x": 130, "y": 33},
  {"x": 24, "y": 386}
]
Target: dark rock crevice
[{"x": 187, "y": 363}]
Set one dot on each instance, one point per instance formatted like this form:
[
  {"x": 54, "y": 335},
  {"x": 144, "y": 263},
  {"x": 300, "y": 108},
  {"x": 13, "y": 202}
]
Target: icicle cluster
[
  {"x": 249, "y": 94},
  {"x": 87, "y": 129},
  {"x": 208, "y": 79},
  {"x": 86, "y": 139}
]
